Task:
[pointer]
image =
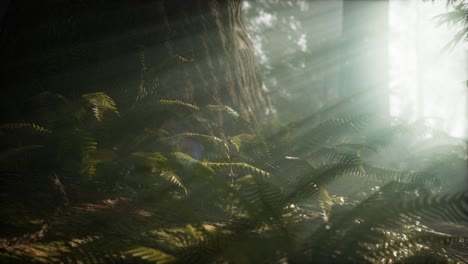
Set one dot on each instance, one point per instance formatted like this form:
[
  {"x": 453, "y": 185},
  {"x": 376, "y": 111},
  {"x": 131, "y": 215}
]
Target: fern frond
[
  {"x": 223, "y": 108},
  {"x": 203, "y": 137},
  {"x": 239, "y": 168},
  {"x": 101, "y": 103},
  {"x": 326, "y": 202},
  {"x": 451, "y": 208},
  {"x": 334, "y": 155},
  {"x": 337, "y": 237},
  {"x": 88, "y": 161},
  {"x": 28, "y": 126},
  {"x": 400, "y": 249},
  {"x": 324, "y": 132},
  {"x": 238, "y": 119},
  {"x": 356, "y": 147},
  {"x": 260, "y": 147},
  {"x": 153, "y": 160},
  {"x": 241, "y": 140},
  {"x": 88, "y": 144},
  {"x": 376, "y": 173},
  {"x": 185, "y": 159},
  {"x": 169, "y": 103},
  {"x": 362, "y": 223},
  {"x": 172, "y": 177},
  {"x": 339, "y": 125},
  {"x": 151, "y": 255},
  {"x": 252, "y": 145},
  {"x": 27, "y": 253},
  {"x": 265, "y": 196}
]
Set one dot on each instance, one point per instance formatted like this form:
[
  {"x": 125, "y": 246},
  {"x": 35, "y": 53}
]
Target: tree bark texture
[{"x": 198, "y": 51}]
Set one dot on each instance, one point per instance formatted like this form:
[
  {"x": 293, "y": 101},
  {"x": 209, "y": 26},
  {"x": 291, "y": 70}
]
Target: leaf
[
  {"x": 326, "y": 202},
  {"x": 151, "y": 255},
  {"x": 224, "y": 108},
  {"x": 88, "y": 161},
  {"x": 153, "y": 160},
  {"x": 450, "y": 208},
  {"x": 254, "y": 146},
  {"x": 179, "y": 103},
  {"x": 101, "y": 103},
  {"x": 261, "y": 193},
  {"x": 29, "y": 126},
  {"x": 172, "y": 177},
  {"x": 206, "y": 138},
  {"x": 239, "y": 168}
]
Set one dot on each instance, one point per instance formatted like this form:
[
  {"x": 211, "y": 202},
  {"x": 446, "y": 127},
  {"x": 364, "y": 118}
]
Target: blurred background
[{"x": 409, "y": 57}]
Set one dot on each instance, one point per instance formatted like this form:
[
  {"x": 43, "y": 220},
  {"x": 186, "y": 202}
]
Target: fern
[
  {"x": 326, "y": 202},
  {"x": 145, "y": 198},
  {"x": 452, "y": 208},
  {"x": 331, "y": 154},
  {"x": 153, "y": 160},
  {"x": 27, "y": 126},
  {"x": 261, "y": 194},
  {"x": 238, "y": 168},
  {"x": 224, "y": 108},
  {"x": 151, "y": 255},
  {"x": 360, "y": 223},
  {"x": 203, "y": 137},
  {"x": 182, "y": 104},
  {"x": 397, "y": 250},
  {"x": 174, "y": 178},
  {"x": 101, "y": 103},
  {"x": 88, "y": 162}
]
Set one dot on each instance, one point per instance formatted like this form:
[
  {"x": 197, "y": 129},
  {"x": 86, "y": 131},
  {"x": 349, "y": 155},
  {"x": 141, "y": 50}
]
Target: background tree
[{"x": 314, "y": 53}]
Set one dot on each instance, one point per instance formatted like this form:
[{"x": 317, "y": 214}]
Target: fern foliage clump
[{"x": 167, "y": 181}]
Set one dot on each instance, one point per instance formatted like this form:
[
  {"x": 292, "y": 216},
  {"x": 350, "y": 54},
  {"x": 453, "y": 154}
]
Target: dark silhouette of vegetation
[{"x": 86, "y": 181}]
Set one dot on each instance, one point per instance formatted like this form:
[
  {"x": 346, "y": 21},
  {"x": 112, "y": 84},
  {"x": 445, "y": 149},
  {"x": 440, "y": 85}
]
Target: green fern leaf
[
  {"x": 151, "y": 255},
  {"x": 203, "y": 137},
  {"x": 326, "y": 202},
  {"x": 172, "y": 177},
  {"x": 153, "y": 160},
  {"x": 29, "y": 126},
  {"x": 189, "y": 106},
  {"x": 239, "y": 168},
  {"x": 451, "y": 208},
  {"x": 224, "y": 108},
  {"x": 101, "y": 103}
]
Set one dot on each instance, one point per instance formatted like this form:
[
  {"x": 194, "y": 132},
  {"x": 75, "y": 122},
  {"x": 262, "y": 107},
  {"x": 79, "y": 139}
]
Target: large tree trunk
[
  {"x": 198, "y": 51},
  {"x": 222, "y": 62}
]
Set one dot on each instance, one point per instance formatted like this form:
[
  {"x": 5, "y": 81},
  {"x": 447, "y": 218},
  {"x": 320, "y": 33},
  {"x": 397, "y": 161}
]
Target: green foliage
[
  {"x": 101, "y": 103},
  {"x": 459, "y": 15},
  {"x": 151, "y": 255},
  {"x": 166, "y": 181},
  {"x": 26, "y": 126}
]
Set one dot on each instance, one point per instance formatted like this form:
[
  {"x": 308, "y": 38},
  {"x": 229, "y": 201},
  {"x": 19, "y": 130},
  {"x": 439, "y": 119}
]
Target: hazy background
[{"x": 313, "y": 53}]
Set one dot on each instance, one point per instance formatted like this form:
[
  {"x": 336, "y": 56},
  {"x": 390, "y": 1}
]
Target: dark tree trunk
[
  {"x": 198, "y": 51},
  {"x": 221, "y": 63}
]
